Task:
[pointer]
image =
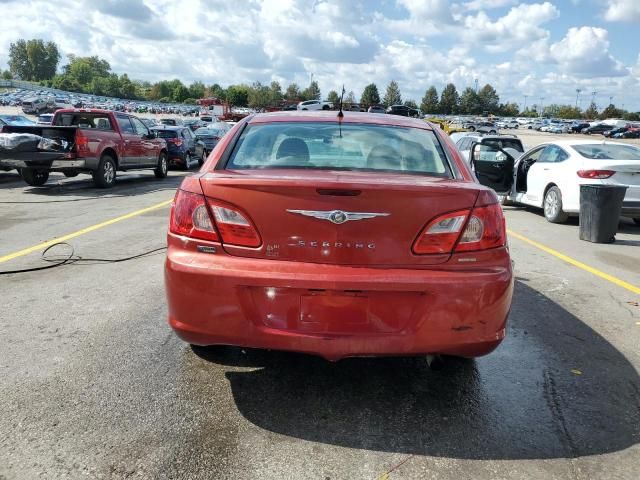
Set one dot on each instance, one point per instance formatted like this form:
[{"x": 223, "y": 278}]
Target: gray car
[
  {"x": 510, "y": 143},
  {"x": 211, "y": 135}
]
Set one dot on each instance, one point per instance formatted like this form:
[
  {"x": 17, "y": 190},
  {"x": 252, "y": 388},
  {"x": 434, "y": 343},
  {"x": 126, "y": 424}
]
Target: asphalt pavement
[{"x": 94, "y": 384}]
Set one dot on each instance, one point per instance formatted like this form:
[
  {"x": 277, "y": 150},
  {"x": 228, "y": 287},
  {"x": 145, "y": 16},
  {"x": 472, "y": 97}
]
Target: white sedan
[
  {"x": 314, "y": 105},
  {"x": 549, "y": 176}
]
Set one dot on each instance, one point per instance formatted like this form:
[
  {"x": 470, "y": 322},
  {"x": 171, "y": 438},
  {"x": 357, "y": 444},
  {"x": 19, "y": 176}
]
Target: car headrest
[
  {"x": 384, "y": 157},
  {"x": 294, "y": 147}
]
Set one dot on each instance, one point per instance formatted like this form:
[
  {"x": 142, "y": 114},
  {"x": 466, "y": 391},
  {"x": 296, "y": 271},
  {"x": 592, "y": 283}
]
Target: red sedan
[{"x": 338, "y": 236}]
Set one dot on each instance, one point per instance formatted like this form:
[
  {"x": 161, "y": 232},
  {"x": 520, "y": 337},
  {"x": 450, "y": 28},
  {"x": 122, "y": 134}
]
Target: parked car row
[{"x": 47, "y": 100}]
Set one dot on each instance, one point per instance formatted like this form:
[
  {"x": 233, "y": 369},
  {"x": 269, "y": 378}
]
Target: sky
[{"x": 543, "y": 50}]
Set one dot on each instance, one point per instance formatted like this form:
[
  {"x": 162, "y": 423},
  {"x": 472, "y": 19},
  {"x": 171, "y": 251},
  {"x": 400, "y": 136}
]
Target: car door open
[{"x": 493, "y": 167}]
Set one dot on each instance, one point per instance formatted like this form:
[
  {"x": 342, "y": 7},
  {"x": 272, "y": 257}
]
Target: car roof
[
  {"x": 349, "y": 117},
  {"x": 89, "y": 110},
  {"x": 169, "y": 127},
  {"x": 568, "y": 143},
  {"x": 490, "y": 137}
]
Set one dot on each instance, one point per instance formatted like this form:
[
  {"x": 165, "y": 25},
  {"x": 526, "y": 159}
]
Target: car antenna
[{"x": 340, "y": 114}]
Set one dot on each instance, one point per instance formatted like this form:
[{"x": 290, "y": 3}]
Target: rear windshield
[
  {"x": 99, "y": 121},
  {"x": 329, "y": 146},
  {"x": 600, "y": 151},
  {"x": 504, "y": 143},
  {"x": 167, "y": 133}
]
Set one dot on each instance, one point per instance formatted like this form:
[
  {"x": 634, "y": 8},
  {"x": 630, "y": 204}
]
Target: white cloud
[
  {"x": 584, "y": 52},
  {"x": 521, "y": 25},
  {"x": 623, "y": 11},
  {"x": 486, "y": 4}
]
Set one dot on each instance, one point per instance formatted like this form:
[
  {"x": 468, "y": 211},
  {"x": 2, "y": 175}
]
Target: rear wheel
[
  {"x": 34, "y": 177},
  {"x": 204, "y": 156},
  {"x": 161, "y": 169},
  {"x": 553, "y": 206},
  {"x": 504, "y": 201},
  {"x": 637, "y": 221},
  {"x": 187, "y": 161},
  {"x": 492, "y": 132},
  {"x": 105, "y": 175}
]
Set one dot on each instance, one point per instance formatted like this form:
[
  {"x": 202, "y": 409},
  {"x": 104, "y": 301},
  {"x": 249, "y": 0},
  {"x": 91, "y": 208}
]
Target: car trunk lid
[{"x": 335, "y": 217}]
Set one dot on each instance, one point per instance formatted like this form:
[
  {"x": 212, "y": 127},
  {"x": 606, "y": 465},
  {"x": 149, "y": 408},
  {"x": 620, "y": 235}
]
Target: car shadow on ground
[
  {"x": 9, "y": 178},
  {"x": 82, "y": 187},
  {"x": 554, "y": 389}
]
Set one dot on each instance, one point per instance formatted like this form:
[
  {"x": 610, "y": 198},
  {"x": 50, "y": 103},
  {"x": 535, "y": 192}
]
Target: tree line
[{"x": 37, "y": 61}]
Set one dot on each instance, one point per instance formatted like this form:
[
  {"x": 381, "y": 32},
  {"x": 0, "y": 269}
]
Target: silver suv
[{"x": 505, "y": 142}]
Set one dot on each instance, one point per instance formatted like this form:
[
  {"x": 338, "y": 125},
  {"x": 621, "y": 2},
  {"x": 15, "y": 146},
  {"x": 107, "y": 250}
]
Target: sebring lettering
[{"x": 317, "y": 244}]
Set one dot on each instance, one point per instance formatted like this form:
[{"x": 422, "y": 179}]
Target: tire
[
  {"x": 34, "y": 177},
  {"x": 187, "y": 161},
  {"x": 552, "y": 206},
  {"x": 70, "y": 174},
  {"x": 105, "y": 175},
  {"x": 205, "y": 154},
  {"x": 637, "y": 221},
  {"x": 492, "y": 132},
  {"x": 325, "y": 107},
  {"x": 504, "y": 201},
  {"x": 163, "y": 166},
  {"x": 472, "y": 129}
]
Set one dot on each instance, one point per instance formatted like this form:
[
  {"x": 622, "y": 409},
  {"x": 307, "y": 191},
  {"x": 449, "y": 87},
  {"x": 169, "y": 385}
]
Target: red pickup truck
[{"x": 93, "y": 141}]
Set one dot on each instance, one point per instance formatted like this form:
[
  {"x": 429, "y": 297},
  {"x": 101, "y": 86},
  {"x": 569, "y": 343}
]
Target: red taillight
[
  {"x": 82, "y": 142},
  {"x": 176, "y": 141},
  {"x": 234, "y": 227},
  {"x": 467, "y": 230},
  {"x": 486, "y": 229},
  {"x": 441, "y": 234},
  {"x": 595, "y": 174},
  {"x": 190, "y": 217}
]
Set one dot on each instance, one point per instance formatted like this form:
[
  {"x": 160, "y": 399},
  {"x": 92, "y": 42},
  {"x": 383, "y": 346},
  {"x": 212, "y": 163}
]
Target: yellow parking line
[
  {"x": 64, "y": 238},
  {"x": 576, "y": 263}
]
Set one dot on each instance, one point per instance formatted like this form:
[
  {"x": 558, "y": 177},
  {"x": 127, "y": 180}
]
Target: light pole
[
  {"x": 541, "y": 105},
  {"x": 610, "y": 99},
  {"x": 593, "y": 97},
  {"x": 476, "y": 84},
  {"x": 525, "y": 103},
  {"x": 578, "y": 90}
]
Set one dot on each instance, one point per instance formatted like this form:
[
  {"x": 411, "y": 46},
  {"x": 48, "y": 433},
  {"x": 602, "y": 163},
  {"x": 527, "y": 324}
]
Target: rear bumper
[
  {"x": 219, "y": 299},
  {"x": 48, "y": 161},
  {"x": 631, "y": 209},
  {"x": 176, "y": 156}
]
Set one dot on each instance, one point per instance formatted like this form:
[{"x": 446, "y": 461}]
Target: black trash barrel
[{"x": 600, "y": 207}]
